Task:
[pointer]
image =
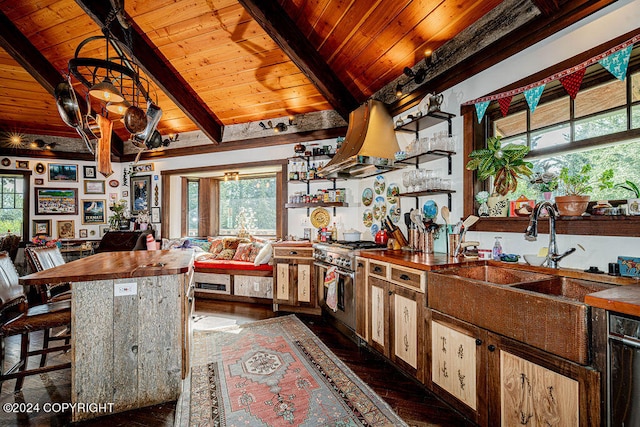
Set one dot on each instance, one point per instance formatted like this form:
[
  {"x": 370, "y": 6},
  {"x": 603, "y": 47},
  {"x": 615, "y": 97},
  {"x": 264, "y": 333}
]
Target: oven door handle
[
  {"x": 626, "y": 341},
  {"x": 349, "y": 274}
]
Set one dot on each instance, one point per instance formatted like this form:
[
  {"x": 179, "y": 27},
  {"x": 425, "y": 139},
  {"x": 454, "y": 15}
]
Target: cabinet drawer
[
  {"x": 292, "y": 253},
  {"x": 409, "y": 277},
  {"x": 379, "y": 269}
]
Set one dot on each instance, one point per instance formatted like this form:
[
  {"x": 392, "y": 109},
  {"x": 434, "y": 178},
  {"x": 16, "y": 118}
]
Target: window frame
[
  {"x": 26, "y": 217},
  {"x": 475, "y": 135}
]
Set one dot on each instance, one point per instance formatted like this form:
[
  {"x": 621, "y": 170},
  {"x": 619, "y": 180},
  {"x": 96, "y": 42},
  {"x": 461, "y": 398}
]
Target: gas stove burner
[{"x": 360, "y": 244}]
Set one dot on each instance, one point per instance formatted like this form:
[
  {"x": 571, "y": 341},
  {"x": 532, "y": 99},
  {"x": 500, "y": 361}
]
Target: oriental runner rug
[{"x": 276, "y": 372}]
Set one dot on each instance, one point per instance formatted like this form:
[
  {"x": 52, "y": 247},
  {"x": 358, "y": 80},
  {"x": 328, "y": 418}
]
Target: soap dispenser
[{"x": 497, "y": 249}]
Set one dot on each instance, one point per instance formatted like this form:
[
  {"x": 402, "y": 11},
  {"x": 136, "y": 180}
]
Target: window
[
  {"x": 193, "y": 189},
  {"x": 248, "y": 203},
  {"x": 12, "y": 206}
]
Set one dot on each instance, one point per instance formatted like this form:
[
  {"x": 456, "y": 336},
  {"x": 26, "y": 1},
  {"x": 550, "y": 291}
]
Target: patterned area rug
[{"x": 276, "y": 372}]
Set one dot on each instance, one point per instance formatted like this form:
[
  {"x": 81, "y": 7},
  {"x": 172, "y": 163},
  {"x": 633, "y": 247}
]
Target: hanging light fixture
[{"x": 106, "y": 91}]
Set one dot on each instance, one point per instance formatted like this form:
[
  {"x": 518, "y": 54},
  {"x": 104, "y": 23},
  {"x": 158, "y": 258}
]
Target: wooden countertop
[
  {"x": 623, "y": 299},
  {"x": 296, "y": 243},
  {"x": 418, "y": 260},
  {"x": 115, "y": 265}
]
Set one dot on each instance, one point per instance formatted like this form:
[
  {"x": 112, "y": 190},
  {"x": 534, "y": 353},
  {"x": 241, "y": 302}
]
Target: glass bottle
[{"x": 497, "y": 249}]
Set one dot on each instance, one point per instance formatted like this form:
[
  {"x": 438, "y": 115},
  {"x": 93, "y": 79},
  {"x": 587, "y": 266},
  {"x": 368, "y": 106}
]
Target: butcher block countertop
[
  {"x": 115, "y": 265},
  {"x": 623, "y": 299}
]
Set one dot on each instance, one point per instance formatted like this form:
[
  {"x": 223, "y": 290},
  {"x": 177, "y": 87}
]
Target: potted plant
[
  {"x": 505, "y": 163},
  {"x": 143, "y": 220},
  {"x": 633, "y": 205},
  {"x": 547, "y": 182},
  {"x": 119, "y": 220},
  {"x": 576, "y": 185}
]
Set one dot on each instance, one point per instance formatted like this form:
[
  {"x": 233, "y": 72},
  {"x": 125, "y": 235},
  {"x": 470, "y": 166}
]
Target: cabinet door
[
  {"x": 282, "y": 293},
  {"x": 453, "y": 364},
  {"x": 535, "y": 396},
  {"x": 407, "y": 347},
  {"x": 378, "y": 315},
  {"x": 304, "y": 283},
  {"x": 362, "y": 292}
]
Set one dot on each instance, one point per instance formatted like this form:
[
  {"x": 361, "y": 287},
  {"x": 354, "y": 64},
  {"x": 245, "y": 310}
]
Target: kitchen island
[{"x": 130, "y": 316}]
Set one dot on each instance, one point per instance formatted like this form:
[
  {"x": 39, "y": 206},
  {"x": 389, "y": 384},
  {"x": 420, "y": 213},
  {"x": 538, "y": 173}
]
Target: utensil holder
[{"x": 454, "y": 240}]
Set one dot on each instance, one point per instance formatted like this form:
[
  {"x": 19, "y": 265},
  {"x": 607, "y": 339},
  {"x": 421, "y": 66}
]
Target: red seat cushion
[{"x": 214, "y": 264}]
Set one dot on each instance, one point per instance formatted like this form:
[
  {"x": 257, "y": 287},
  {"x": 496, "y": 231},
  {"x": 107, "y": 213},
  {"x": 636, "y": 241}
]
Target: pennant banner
[
  {"x": 617, "y": 63},
  {"x": 572, "y": 82},
  {"x": 533, "y": 97},
  {"x": 504, "y": 104},
  {"x": 481, "y": 108},
  {"x": 615, "y": 60}
]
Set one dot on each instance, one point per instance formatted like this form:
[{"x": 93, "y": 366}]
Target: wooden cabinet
[
  {"x": 395, "y": 313},
  {"x": 295, "y": 283},
  {"x": 494, "y": 380},
  {"x": 362, "y": 298}
]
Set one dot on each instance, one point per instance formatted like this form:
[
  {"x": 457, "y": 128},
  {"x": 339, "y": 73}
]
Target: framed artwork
[
  {"x": 113, "y": 196},
  {"x": 56, "y": 201},
  {"x": 140, "y": 193},
  {"x": 63, "y": 172},
  {"x": 82, "y": 233},
  {"x": 66, "y": 229},
  {"x": 93, "y": 212},
  {"x": 155, "y": 215},
  {"x": 89, "y": 172},
  {"x": 94, "y": 187},
  {"x": 22, "y": 164},
  {"x": 142, "y": 167},
  {"x": 103, "y": 230},
  {"x": 38, "y": 181},
  {"x": 40, "y": 168},
  {"x": 41, "y": 226},
  {"x": 125, "y": 193}
]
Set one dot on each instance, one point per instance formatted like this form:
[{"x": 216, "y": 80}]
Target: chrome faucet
[{"x": 531, "y": 233}]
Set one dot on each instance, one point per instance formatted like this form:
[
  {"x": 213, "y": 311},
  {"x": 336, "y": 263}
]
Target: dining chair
[{"x": 17, "y": 318}]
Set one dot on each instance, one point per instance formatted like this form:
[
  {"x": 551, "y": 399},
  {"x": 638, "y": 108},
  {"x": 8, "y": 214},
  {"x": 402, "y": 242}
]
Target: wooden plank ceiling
[{"x": 218, "y": 63}]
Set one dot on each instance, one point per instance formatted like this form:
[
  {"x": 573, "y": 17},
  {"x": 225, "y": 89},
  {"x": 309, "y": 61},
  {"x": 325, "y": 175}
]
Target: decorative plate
[
  {"x": 114, "y": 183},
  {"x": 379, "y": 184},
  {"x": 394, "y": 213},
  {"x": 392, "y": 193},
  {"x": 367, "y": 196},
  {"x": 430, "y": 209},
  {"x": 320, "y": 217},
  {"x": 379, "y": 208},
  {"x": 374, "y": 229},
  {"x": 6, "y": 162},
  {"x": 40, "y": 169},
  {"x": 367, "y": 218}
]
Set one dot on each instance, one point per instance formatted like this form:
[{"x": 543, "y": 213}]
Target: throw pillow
[
  {"x": 243, "y": 252},
  {"x": 226, "y": 254},
  {"x": 233, "y": 242},
  {"x": 264, "y": 255},
  {"x": 256, "y": 247},
  {"x": 216, "y": 245},
  {"x": 202, "y": 256}
]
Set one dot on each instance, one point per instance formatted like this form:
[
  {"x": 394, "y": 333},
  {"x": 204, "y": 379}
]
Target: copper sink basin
[
  {"x": 495, "y": 275},
  {"x": 541, "y": 310},
  {"x": 564, "y": 287}
]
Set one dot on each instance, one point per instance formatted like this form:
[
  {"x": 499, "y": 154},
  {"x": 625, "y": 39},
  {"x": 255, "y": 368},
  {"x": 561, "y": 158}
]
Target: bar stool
[
  {"x": 42, "y": 258},
  {"x": 16, "y": 318}
]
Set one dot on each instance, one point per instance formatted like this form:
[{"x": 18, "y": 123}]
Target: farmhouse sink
[
  {"x": 541, "y": 310},
  {"x": 565, "y": 287},
  {"x": 495, "y": 275}
]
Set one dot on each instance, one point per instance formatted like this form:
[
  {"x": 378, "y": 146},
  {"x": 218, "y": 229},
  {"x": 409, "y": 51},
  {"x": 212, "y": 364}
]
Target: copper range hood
[{"x": 369, "y": 147}]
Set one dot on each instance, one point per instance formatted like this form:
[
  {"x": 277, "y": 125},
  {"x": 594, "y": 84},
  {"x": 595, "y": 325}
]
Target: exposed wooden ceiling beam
[
  {"x": 158, "y": 68},
  {"x": 30, "y": 58},
  {"x": 284, "y": 31},
  {"x": 547, "y": 7}
]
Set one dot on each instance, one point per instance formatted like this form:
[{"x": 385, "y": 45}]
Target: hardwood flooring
[{"x": 415, "y": 405}]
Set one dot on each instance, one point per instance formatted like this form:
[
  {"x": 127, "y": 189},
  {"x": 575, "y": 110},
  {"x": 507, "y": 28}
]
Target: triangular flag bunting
[
  {"x": 617, "y": 62},
  {"x": 504, "y": 104},
  {"x": 481, "y": 108},
  {"x": 572, "y": 82},
  {"x": 533, "y": 96}
]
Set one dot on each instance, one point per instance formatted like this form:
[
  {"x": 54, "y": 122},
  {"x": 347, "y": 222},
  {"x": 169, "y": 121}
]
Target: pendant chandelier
[{"x": 114, "y": 80}]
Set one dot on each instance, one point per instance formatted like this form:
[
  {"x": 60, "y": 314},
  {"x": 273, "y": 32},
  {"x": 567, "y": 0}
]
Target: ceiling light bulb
[
  {"x": 118, "y": 108},
  {"x": 106, "y": 91},
  {"x": 399, "y": 90}
]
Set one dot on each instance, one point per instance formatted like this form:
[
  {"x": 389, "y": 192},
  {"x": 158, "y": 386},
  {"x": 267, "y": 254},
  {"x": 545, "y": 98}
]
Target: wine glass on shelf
[{"x": 406, "y": 181}]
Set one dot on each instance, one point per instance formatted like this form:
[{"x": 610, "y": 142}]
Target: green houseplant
[
  {"x": 576, "y": 185},
  {"x": 633, "y": 204},
  {"x": 505, "y": 163}
]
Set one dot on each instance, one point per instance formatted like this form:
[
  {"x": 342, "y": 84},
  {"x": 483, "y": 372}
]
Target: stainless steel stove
[{"x": 342, "y": 255}]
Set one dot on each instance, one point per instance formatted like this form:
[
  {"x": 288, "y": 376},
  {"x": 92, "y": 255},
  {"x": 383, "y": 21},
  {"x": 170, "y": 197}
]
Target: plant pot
[
  {"x": 633, "y": 206},
  {"x": 572, "y": 205},
  {"x": 498, "y": 206}
]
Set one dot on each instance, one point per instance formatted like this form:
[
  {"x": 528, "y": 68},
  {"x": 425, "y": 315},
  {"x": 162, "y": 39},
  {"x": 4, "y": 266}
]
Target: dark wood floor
[{"x": 415, "y": 405}]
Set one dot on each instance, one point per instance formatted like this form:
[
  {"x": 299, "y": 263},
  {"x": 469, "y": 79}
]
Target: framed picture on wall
[
  {"x": 56, "y": 201},
  {"x": 22, "y": 164},
  {"x": 83, "y": 232},
  {"x": 94, "y": 187},
  {"x": 155, "y": 215},
  {"x": 140, "y": 193},
  {"x": 66, "y": 229},
  {"x": 103, "y": 230},
  {"x": 63, "y": 172},
  {"x": 41, "y": 227},
  {"x": 38, "y": 181},
  {"x": 89, "y": 172},
  {"x": 93, "y": 212}
]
